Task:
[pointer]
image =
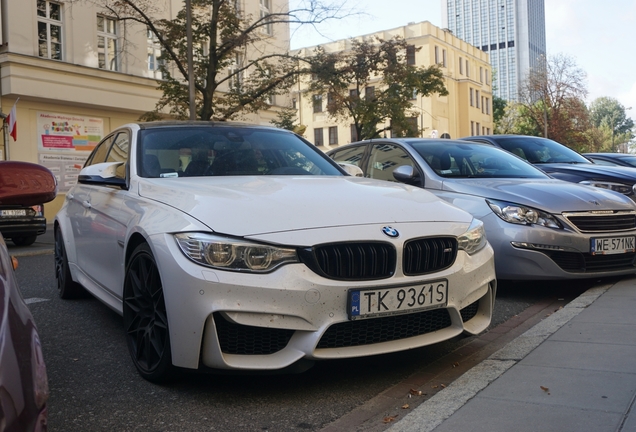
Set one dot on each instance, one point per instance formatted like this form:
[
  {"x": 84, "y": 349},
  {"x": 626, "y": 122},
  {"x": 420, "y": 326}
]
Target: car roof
[{"x": 202, "y": 123}]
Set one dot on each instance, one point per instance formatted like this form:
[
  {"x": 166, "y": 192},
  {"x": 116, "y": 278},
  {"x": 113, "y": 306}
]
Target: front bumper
[
  {"x": 537, "y": 253},
  {"x": 228, "y": 320}
]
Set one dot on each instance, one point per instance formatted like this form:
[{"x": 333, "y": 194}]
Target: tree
[
  {"x": 552, "y": 96},
  {"x": 372, "y": 83},
  {"x": 609, "y": 113},
  {"x": 235, "y": 68},
  {"x": 286, "y": 119}
]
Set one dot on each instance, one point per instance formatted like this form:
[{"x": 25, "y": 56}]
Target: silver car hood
[
  {"x": 243, "y": 205},
  {"x": 553, "y": 196}
]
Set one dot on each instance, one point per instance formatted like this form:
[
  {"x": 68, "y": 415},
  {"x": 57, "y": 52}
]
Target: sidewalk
[{"x": 574, "y": 371}]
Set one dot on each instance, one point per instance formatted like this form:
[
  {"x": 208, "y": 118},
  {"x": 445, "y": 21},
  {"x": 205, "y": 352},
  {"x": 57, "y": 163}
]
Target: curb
[{"x": 445, "y": 403}]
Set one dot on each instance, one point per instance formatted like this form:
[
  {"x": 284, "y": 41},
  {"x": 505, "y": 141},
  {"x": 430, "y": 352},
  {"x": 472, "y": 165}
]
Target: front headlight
[
  {"x": 474, "y": 239},
  {"x": 616, "y": 187},
  {"x": 522, "y": 215},
  {"x": 226, "y": 253}
]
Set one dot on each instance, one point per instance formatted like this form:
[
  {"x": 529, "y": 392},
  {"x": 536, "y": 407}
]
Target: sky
[{"x": 599, "y": 35}]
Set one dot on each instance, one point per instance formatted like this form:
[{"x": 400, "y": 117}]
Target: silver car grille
[{"x": 602, "y": 221}]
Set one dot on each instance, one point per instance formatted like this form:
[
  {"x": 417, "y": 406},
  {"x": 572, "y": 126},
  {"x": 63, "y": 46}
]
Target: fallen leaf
[
  {"x": 405, "y": 406},
  {"x": 443, "y": 386},
  {"x": 545, "y": 389},
  {"x": 456, "y": 364},
  {"x": 389, "y": 419},
  {"x": 416, "y": 392},
  {"x": 435, "y": 386}
]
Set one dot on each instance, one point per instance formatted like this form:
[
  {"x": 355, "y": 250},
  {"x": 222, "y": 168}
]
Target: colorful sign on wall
[
  {"x": 64, "y": 132},
  {"x": 64, "y": 143}
]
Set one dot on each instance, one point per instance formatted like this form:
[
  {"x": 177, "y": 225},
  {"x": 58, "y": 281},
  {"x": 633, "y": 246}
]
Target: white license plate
[
  {"x": 398, "y": 300},
  {"x": 13, "y": 212},
  {"x": 612, "y": 245}
]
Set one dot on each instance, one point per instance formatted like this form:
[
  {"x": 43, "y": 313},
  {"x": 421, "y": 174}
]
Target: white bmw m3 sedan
[{"x": 230, "y": 246}]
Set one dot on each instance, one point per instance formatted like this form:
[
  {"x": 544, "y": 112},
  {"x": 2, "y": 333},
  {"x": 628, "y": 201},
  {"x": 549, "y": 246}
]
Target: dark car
[
  {"x": 564, "y": 163},
  {"x": 21, "y": 220},
  {"x": 22, "y": 224},
  {"x": 23, "y": 381},
  {"x": 613, "y": 159}
]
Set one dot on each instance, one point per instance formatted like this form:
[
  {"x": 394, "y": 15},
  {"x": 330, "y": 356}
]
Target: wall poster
[{"x": 64, "y": 143}]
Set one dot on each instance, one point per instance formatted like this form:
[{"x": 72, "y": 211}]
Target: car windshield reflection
[
  {"x": 228, "y": 151},
  {"x": 541, "y": 150},
  {"x": 474, "y": 161}
]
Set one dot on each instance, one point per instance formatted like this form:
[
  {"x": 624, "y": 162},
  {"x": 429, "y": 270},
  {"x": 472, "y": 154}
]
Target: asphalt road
[{"x": 94, "y": 386}]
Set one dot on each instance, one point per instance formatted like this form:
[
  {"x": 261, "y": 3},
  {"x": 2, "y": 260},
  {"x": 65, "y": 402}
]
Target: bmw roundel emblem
[{"x": 391, "y": 232}]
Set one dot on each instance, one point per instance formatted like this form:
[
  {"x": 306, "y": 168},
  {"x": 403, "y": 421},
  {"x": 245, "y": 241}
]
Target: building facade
[
  {"x": 77, "y": 73},
  {"x": 465, "y": 111},
  {"x": 512, "y": 32}
]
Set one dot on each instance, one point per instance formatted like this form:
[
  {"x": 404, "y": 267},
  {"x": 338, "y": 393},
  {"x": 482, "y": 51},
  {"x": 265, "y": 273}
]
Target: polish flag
[{"x": 13, "y": 124}]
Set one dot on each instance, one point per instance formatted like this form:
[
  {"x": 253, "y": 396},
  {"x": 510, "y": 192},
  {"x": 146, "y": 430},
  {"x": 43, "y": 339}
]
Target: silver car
[{"x": 539, "y": 227}]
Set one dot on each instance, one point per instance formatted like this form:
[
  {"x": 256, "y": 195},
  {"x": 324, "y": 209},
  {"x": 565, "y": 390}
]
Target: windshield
[
  {"x": 452, "y": 160},
  {"x": 540, "y": 150},
  {"x": 227, "y": 151}
]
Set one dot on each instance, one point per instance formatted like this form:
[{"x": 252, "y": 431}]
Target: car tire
[
  {"x": 24, "y": 241},
  {"x": 67, "y": 288},
  {"x": 145, "y": 317}
]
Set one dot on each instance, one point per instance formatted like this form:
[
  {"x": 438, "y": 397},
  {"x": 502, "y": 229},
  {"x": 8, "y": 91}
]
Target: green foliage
[
  {"x": 286, "y": 118},
  {"x": 236, "y": 70},
  {"x": 372, "y": 83}
]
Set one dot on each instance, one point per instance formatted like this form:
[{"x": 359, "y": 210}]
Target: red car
[{"x": 23, "y": 381}]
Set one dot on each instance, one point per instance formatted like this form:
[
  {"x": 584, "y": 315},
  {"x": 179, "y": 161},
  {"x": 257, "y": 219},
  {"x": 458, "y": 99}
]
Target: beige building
[
  {"x": 467, "y": 110},
  {"x": 78, "y": 73}
]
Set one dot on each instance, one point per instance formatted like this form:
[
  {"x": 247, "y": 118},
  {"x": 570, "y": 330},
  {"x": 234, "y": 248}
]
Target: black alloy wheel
[
  {"x": 145, "y": 317},
  {"x": 66, "y": 288}
]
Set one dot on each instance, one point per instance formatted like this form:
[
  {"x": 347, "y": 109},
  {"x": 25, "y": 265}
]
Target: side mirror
[
  {"x": 104, "y": 173},
  {"x": 406, "y": 174},
  {"x": 351, "y": 169},
  {"x": 26, "y": 184}
]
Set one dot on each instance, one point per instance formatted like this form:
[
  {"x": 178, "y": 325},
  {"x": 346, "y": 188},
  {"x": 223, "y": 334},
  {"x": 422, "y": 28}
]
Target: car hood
[
  {"x": 591, "y": 170},
  {"x": 243, "y": 205},
  {"x": 553, "y": 196}
]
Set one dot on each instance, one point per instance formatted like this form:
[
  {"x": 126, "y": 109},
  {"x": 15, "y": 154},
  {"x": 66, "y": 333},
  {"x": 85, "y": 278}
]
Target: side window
[
  {"x": 100, "y": 152},
  {"x": 385, "y": 158},
  {"x": 119, "y": 153},
  {"x": 351, "y": 155}
]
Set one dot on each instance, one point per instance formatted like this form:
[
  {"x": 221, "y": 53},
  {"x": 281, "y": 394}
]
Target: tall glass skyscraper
[{"x": 511, "y": 31}]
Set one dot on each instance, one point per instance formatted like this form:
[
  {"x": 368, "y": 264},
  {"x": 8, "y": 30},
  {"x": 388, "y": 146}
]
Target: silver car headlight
[
  {"x": 616, "y": 187},
  {"x": 227, "y": 253},
  {"x": 523, "y": 215},
  {"x": 474, "y": 239}
]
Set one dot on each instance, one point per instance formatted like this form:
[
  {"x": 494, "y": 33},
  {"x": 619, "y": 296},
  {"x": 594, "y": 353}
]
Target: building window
[
  {"x": 234, "y": 73},
  {"x": 354, "y": 133},
  {"x": 410, "y": 55},
  {"x": 444, "y": 58},
  {"x": 265, "y": 11},
  {"x": 317, "y": 103},
  {"x": 477, "y": 98},
  {"x": 477, "y": 128},
  {"x": 472, "y": 103},
  {"x": 107, "y": 43},
  {"x": 461, "y": 66},
  {"x": 49, "y": 30},
  {"x": 154, "y": 56},
  {"x": 483, "y": 105},
  {"x": 488, "y": 106},
  {"x": 467, "y": 69},
  {"x": 481, "y": 74},
  {"x": 436, "y": 55},
  {"x": 333, "y": 135},
  {"x": 472, "y": 128},
  {"x": 369, "y": 93},
  {"x": 318, "y": 139}
]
